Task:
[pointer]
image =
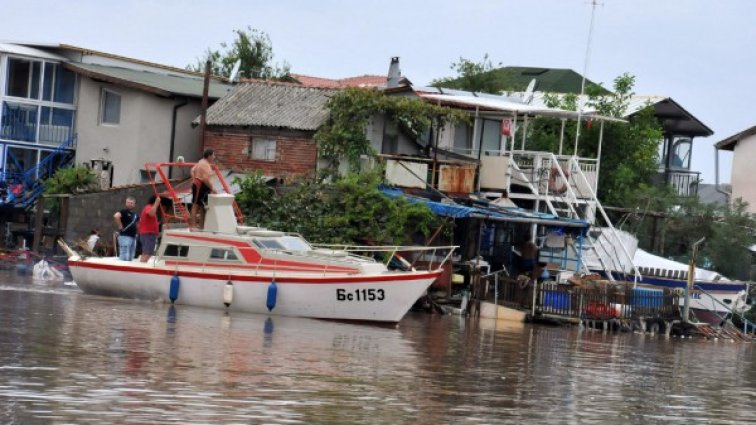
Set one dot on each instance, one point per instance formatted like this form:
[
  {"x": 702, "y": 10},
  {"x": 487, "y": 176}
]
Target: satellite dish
[
  {"x": 527, "y": 97},
  {"x": 234, "y": 76}
]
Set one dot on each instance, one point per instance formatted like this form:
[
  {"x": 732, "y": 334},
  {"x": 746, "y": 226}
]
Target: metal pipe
[
  {"x": 691, "y": 279},
  {"x": 598, "y": 153},
  {"x": 171, "y": 152},
  {"x": 561, "y": 136},
  {"x": 716, "y": 176}
]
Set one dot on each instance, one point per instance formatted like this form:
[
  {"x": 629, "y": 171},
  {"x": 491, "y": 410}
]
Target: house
[
  {"x": 63, "y": 103},
  {"x": 743, "y": 148},
  {"x": 680, "y": 127},
  {"x": 268, "y": 126}
]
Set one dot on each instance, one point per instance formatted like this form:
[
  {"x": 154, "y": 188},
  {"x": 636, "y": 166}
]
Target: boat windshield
[
  {"x": 295, "y": 243},
  {"x": 283, "y": 243}
]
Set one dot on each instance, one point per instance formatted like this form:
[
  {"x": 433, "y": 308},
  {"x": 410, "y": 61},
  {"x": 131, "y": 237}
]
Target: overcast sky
[{"x": 699, "y": 52}]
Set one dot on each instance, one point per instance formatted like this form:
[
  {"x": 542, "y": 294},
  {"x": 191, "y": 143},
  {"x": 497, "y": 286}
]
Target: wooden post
[
  {"x": 38, "y": 223},
  {"x": 203, "y": 112}
]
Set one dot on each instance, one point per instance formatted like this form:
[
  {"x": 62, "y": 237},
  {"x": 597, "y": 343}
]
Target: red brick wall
[{"x": 296, "y": 152}]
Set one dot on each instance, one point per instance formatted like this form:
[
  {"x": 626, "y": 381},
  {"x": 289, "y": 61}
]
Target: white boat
[
  {"x": 256, "y": 270},
  {"x": 711, "y": 292}
]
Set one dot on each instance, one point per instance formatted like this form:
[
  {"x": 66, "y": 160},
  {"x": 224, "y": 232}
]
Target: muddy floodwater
[{"x": 70, "y": 358}]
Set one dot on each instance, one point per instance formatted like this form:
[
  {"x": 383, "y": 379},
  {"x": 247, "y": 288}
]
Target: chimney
[{"x": 394, "y": 73}]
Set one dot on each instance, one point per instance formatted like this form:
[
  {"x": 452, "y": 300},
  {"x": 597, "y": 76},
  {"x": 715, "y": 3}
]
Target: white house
[
  {"x": 743, "y": 147},
  {"x": 70, "y": 103}
]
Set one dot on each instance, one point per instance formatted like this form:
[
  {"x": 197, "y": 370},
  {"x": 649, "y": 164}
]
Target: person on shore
[
  {"x": 126, "y": 223},
  {"x": 149, "y": 228},
  {"x": 94, "y": 236},
  {"x": 202, "y": 186},
  {"x": 529, "y": 259}
]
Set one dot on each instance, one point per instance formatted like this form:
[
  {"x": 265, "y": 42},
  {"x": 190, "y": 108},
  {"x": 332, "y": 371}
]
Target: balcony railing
[{"x": 684, "y": 182}]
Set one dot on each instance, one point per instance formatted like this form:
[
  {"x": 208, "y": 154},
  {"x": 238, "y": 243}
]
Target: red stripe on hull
[{"x": 357, "y": 279}]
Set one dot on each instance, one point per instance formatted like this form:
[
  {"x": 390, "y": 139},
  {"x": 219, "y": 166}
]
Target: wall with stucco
[
  {"x": 143, "y": 134},
  {"x": 743, "y": 176}
]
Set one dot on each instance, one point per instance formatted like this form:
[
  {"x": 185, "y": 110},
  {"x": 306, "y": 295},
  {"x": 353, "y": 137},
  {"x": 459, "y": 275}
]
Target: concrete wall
[
  {"x": 143, "y": 134},
  {"x": 95, "y": 210},
  {"x": 743, "y": 177}
]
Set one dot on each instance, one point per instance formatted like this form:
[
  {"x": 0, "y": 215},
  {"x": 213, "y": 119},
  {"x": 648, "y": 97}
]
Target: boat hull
[
  {"x": 382, "y": 297},
  {"x": 728, "y": 295}
]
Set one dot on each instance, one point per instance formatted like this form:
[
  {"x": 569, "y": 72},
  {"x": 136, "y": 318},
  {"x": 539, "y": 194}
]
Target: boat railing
[
  {"x": 352, "y": 252},
  {"x": 748, "y": 326},
  {"x": 428, "y": 255}
]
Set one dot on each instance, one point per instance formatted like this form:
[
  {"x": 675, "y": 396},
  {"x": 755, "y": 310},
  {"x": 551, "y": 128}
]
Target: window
[
  {"x": 19, "y": 122},
  {"x": 56, "y": 125},
  {"x": 176, "y": 251},
  {"x": 294, "y": 243},
  {"x": 263, "y": 149},
  {"x": 490, "y": 137},
  {"x": 59, "y": 84},
  {"x": 110, "y": 108},
  {"x": 269, "y": 244},
  {"x": 223, "y": 254},
  {"x": 23, "y": 78}
]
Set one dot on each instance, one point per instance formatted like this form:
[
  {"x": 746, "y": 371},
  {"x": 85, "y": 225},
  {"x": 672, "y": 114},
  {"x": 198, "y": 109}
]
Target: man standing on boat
[
  {"x": 126, "y": 222},
  {"x": 202, "y": 186}
]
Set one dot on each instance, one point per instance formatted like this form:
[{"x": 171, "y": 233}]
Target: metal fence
[{"x": 601, "y": 302}]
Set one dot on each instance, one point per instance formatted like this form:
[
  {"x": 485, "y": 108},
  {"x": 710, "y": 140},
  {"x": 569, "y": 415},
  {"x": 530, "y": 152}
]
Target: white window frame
[
  {"x": 269, "y": 154},
  {"x": 103, "y": 94}
]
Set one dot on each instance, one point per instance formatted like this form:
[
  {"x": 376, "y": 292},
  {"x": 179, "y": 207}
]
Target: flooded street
[{"x": 70, "y": 358}]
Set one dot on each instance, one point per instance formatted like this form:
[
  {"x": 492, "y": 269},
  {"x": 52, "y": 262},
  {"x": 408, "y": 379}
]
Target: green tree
[
  {"x": 255, "y": 51},
  {"x": 344, "y": 135},
  {"x": 629, "y": 156},
  {"x": 475, "y": 76},
  {"x": 348, "y": 210},
  {"x": 70, "y": 180}
]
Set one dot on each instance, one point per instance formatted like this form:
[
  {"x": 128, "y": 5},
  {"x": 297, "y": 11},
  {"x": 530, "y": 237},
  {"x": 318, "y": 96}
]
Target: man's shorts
[
  {"x": 199, "y": 193},
  {"x": 148, "y": 243}
]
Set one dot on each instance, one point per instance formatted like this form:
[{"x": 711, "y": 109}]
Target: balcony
[
  {"x": 31, "y": 123},
  {"x": 683, "y": 182}
]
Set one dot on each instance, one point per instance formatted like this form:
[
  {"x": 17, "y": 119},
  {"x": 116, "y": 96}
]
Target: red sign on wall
[{"x": 506, "y": 126}]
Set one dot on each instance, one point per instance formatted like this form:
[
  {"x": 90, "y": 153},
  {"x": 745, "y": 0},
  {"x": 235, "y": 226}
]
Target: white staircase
[{"x": 565, "y": 186}]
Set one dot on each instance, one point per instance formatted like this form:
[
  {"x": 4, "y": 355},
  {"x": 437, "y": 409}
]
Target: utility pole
[
  {"x": 203, "y": 114},
  {"x": 594, "y": 3}
]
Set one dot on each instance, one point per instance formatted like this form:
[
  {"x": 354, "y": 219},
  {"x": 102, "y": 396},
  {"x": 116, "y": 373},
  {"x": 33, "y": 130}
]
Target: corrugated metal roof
[
  {"x": 508, "y": 105},
  {"x": 272, "y": 104},
  {"x": 160, "y": 84},
  {"x": 674, "y": 118},
  {"x": 17, "y": 49}
]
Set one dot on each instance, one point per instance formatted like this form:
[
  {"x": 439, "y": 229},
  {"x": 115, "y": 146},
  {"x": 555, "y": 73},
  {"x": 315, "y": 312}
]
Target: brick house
[{"x": 268, "y": 126}]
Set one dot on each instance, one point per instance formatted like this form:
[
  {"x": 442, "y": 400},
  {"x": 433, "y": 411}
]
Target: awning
[
  {"x": 504, "y": 105},
  {"x": 510, "y": 215}
]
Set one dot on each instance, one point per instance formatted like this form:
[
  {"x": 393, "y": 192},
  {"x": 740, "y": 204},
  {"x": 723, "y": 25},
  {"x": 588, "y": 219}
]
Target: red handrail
[{"x": 181, "y": 212}]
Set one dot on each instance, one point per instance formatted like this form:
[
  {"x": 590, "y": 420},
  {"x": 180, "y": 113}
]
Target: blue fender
[{"x": 272, "y": 294}]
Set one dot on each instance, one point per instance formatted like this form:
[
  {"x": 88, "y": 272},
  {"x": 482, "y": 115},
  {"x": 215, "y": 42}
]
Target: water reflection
[{"x": 70, "y": 358}]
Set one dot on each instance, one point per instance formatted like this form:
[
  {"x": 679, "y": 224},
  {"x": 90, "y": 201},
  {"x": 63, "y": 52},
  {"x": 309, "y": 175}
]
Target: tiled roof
[
  {"x": 361, "y": 81},
  {"x": 272, "y": 104}
]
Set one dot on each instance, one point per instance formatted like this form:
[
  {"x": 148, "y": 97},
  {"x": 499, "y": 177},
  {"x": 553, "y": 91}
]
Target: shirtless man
[
  {"x": 202, "y": 185},
  {"x": 529, "y": 254}
]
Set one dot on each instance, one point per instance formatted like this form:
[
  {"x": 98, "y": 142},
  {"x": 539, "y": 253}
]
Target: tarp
[{"x": 515, "y": 215}]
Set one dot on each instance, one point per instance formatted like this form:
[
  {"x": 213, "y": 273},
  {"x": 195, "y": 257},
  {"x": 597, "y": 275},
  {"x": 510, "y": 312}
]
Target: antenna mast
[{"x": 594, "y": 3}]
